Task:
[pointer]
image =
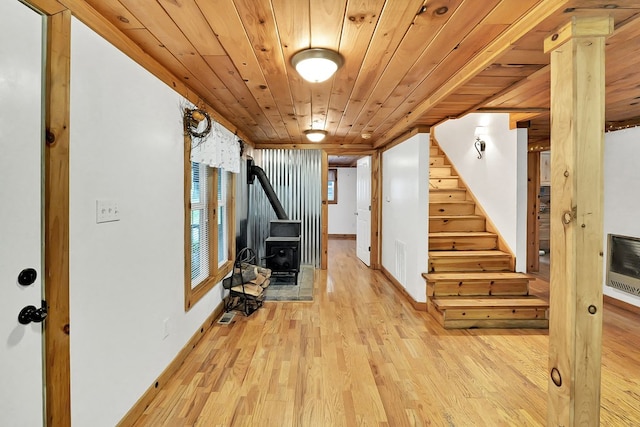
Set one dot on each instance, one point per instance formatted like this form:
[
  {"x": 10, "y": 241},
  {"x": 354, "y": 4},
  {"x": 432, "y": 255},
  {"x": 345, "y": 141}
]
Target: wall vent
[{"x": 623, "y": 264}]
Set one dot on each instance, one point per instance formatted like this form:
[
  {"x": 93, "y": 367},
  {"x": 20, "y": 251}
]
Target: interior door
[
  {"x": 363, "y": 206},
  {"x": 21, "y": 247}
]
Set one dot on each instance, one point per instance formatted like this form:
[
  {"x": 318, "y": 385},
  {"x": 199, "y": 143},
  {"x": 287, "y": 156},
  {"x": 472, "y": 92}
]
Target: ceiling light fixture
[
  {"x": 315, "y": 135},
  {"x": 317, "y": 65}
]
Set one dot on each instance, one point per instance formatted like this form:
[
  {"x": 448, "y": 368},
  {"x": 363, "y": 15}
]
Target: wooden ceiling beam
[
  {"x": 330, "y": 148},
  {"x": 486, "y": 57},
  {"x": 534, "y": 110},
  {"x": 50, "y": 7},
  {"x": 519, "y": 117},
  {"x": 622, "y": 124},
  {"x": 542, "y": 72}
]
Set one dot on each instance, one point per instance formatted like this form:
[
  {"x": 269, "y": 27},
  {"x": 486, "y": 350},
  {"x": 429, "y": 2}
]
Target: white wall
[
  {"x": 497, "y": 178},
  {"x": 342, "y": 215},
  {"x": 405, "y": 213},
  {"x": 621, "y": 203},
  {"x": 126, "y": 277}
]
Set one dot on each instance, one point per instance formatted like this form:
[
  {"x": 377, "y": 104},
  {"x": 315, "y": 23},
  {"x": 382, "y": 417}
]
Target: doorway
[{"x": 350, "y": 200}]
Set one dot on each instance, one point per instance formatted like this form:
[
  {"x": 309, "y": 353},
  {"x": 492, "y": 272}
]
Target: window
[
  {"x": 208, "y": 249},
  {"x": 332, "y": 193}
]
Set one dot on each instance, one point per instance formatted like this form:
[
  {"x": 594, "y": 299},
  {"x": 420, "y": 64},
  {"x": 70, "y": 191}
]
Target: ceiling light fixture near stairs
[{"x": 317, "y": 65}]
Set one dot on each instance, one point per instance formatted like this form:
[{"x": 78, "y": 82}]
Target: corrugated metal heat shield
[{"x": 296, "y": 178}]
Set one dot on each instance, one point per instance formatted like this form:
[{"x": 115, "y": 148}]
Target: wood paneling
[{"x": 407, "y": 64}]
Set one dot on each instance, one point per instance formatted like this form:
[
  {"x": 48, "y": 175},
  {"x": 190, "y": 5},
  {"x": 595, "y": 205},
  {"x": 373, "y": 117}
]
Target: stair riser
[
  {"x": 502, "y": 313},
  {"x": 434, "y": 151},
  {"x": 469, "y": 264},
  {"x": 453, "y": 224},
  {"x": 494, "y": 323},
  {"x": 478, "y": 288},
  {"x": 471, "y": 243},
  {"x": 436, "y": 161},
  {"x": 451, "y": 208},
  {"x": 439, "y": 171},
  {"x": 439, "y": 183},
  {"x": 447, "y": 196}
]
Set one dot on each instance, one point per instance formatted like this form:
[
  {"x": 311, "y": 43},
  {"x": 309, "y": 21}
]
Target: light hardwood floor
[{"x": 360, "y": 355}]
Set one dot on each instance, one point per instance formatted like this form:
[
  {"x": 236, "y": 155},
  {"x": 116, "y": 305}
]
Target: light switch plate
[{"x": 107, "y": 211}]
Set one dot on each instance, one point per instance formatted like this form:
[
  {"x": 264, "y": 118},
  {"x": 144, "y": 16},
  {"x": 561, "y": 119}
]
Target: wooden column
[
  {"x": 324, "y": 235},
  {"x": 533, "y": 211},
  {"x": 56, "y": 228},
  {"x": 375, "y": 260},
  {"x": 577, "y": 134}
]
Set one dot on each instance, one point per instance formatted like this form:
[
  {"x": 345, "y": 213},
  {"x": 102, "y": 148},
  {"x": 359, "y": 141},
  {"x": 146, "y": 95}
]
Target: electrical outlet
[{"x": 107, "y": 211}]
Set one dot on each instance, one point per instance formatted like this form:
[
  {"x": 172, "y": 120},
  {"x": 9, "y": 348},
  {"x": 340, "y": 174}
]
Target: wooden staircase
[{"x": 471, "y": 282}]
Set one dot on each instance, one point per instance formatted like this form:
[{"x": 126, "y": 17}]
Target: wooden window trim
[{"x": 216, "y": 273}]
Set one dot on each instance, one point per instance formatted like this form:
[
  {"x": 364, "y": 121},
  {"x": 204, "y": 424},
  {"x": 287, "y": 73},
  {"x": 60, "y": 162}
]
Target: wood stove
[{"x": 283, "y": 251}]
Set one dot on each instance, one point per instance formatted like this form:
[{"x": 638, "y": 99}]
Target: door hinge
[
  {"x": 369, "y": 208},
  {"x": 369, "y": 249}
]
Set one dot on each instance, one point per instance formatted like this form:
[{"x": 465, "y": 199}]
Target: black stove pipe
[{"x": 256, "y": 171}]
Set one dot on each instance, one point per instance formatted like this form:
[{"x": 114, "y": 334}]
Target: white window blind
[
  {"x": 223, "y": 237},
  {"x": 199, "y": 223}
]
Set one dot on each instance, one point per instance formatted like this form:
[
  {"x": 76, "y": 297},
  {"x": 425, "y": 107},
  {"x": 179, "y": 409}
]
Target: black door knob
[
  {"x": 27, "y": 276},
  {"x": 32, "y": 314}
]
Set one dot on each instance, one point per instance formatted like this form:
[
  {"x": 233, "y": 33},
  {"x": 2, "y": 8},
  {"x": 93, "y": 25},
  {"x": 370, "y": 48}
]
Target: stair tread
[
  {"x": 442, "y": 190},
  {"x": 460, "y": 254},
  {"x": 486, "y": 302},
  {"x": 477, "y": 275},
  {"x": 446, "y": 234},
  {"x": 455, "y": 216},
  {"x": 455, "y": 202}
]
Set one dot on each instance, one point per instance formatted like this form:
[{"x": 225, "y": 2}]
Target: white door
[
  {"x": 21, "y": 354},
  {"x": 363, "y": 206}
]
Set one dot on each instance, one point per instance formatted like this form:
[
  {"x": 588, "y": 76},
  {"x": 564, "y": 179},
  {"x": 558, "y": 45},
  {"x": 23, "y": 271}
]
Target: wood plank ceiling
[{"x": 408, "y": 64}]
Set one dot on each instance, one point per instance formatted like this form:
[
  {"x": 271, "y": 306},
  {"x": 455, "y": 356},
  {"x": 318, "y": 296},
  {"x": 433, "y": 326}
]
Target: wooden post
[
  {"x": 325, "y": 211},
  {"x": 375, "y": 260},
  {"x": 577, "y": 134},
  {"x": 56, "y": 229},
  {"x": 533, "y": 211}
]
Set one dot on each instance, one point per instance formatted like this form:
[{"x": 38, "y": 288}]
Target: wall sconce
[
  {"x": 317, "y": 65},
  {"x": 479, "y": 144}
]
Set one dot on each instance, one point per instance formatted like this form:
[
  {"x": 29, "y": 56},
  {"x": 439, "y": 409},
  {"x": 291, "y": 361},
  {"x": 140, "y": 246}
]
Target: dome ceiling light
[
  {"x": 315, "y": 135},
  {"x": 317, "y": 65}
]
